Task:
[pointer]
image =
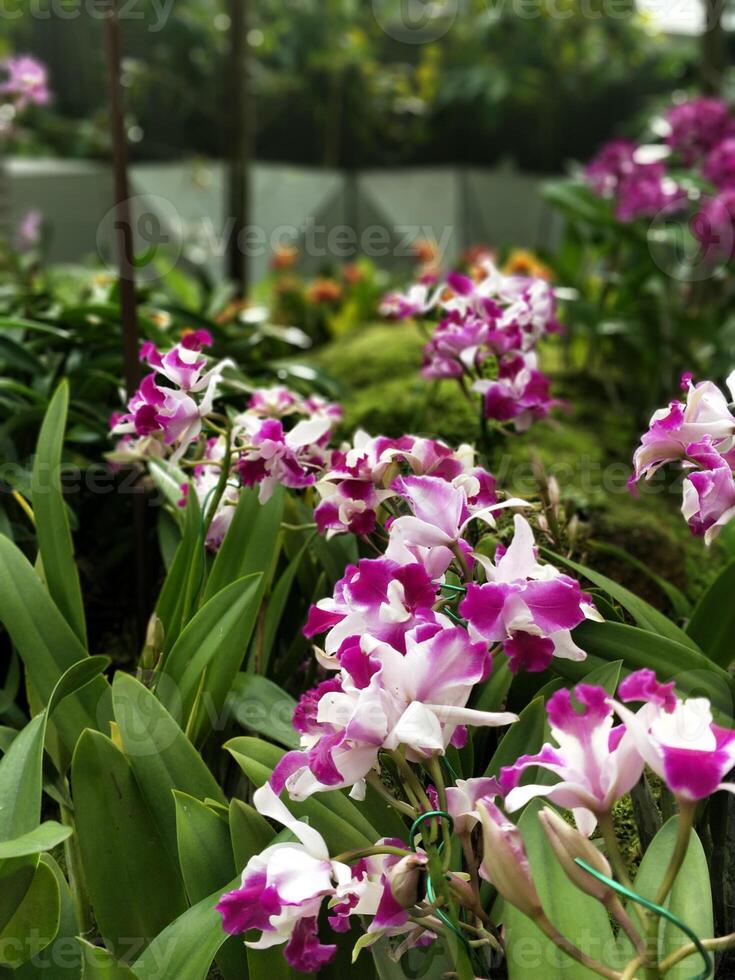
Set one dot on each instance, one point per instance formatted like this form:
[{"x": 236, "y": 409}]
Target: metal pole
[
  {"x": 239, "y": 141},
  {"x": 123, "y": 217},
  {"x": 714, "y": 47}
]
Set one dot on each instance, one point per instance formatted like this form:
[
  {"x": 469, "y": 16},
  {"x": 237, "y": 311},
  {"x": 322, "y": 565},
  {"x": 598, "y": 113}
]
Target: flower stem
[
  {"x": 362, "y": 852},
  {"x": 374, "y": 780},
  {"x": 715, "y": 945},
  {"x": 684, "y": 828}
]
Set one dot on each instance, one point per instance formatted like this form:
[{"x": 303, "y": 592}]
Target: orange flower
[
  {"x": 352, "y": 273},
  {"x": 324, "y": 291},
  {"x": 522, "y": 262},
  {"x": 284, "y": 257}
]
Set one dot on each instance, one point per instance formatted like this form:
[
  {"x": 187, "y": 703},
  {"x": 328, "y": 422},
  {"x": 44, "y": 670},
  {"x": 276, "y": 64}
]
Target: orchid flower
[
  {"x": 677, "y": 739},
  {"x": 528, "y": 607},
  {"x": 595, "y": 762}
]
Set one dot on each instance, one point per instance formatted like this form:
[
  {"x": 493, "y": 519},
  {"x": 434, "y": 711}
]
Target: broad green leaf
[
  {"x": 644, "y": 614},
  {"x": 250, "y": 833},
  {"x": 35, "y": 922},
  {"x": 251, "y": 543},
  {"x": 61, "y": 959},
  {"x": 583, "y": 920},
  {"x": 185, "y": 949},
  {"x": 269, "y": 964},
  {"x": 690, "y": 898},
  {"x": 339, "y": 821},
  {"x": 161, "y": 756},
  {"x": 21, "y": 768},
  {"x": 693, "y": 672},
  {"x": 206, "y": 861},
  {"x": 47, "y": 645},
  {"x": 208, "y": 654},
  {"x": 45, "y": 837},
  {"x": 134, "y": 886},
  {"x": 606, "y": 675},
  {"x": 99, "y": 964},
  {"x": 52, "y": 523},
  {"x": 205, "y": 851},
  {"x": 523, "y": 737},
  {"x": 262, "y": 706},
  {"x": 712, "y": 625}
]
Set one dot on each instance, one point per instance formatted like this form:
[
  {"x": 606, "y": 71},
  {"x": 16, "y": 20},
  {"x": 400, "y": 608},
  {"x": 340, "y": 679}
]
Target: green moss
[{"x": 587, "y": 446}]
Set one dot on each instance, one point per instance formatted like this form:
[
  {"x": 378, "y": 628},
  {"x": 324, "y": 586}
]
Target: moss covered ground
[{"x": 587, "y": 446}]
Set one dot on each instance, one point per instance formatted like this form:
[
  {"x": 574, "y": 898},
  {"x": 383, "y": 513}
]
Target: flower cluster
[
  {"x": 699, "y": 137},
  {"x": 490, "y": 324},
  {"x": 26, "y": 82},
  {"x": 699, "y": 434},
  {"x": 600, "y": 748},
  {"x": 640, "y": 187}
]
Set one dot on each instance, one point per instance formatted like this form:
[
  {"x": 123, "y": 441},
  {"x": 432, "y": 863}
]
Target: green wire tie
[
  {"x": 454, "y": 588},
  {"x": 659, "y": 910},
  {"x": 430, "y": 894}
]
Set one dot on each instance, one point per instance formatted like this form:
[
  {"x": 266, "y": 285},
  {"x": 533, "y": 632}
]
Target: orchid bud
[
  {"x": 505, "y": 862},
  {"x": 153, "y": 643},
  {"x": 568, "y": 844},
  {"x": 404, "y": 879}
]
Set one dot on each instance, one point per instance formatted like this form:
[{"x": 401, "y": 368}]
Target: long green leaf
[
  {"x": 185, "y": 949},
  {"x": 209, "y": 652},
  {"x": 693, "y": 672},
  {"x": 99, "y": 964},
  {"x": 43, "y": 838},
  {"x": 61, "y": 959},
  {"x": 524, "y": 737},
  {"x": 47, "y": 645},
  {"x": 35, "y": 922},
  {"x": 712, "y": 625},
  {"x": 134, "y": 886},
  {"x": 262, "y": 706},
  {"x": 644, "y": 614},
  {"x": 162, "y": 757},
  {"x": 52, "y": 524},
  {"x": 185, "y": 575},
  {"x": 251, "y": 543}
]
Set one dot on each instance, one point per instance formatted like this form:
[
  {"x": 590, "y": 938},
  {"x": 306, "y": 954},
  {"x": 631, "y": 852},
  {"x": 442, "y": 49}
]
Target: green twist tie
[{"x": 658, "y": 910}]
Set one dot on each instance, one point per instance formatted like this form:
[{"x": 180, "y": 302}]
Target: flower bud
[
  {"x": 505, "y": 862},
  {"x": 404, "y": 879},
  {"x": 568, "y": 844}
]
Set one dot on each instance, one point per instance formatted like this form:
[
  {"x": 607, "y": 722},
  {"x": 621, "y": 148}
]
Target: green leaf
[
  {"x": 21, "y": 768},
  {"x": 185, "y": 949},
  {"x": 209, "y": 652},
  {"x": 61, "y": 959},
  {"x": 277, "y": 603},
  {"x": 134, "y": 886},
  {"x": 644, "y": 614},
  {"x": 45, "y": 837},
  {"x": 205, "y": 852},
  {"x": 47, "y": 645},
  {"x": 690, "y": 899},
  {"x": 99, "y": 964},
  {"x": 712, "y": 625},
  {"x": 262, "y": 706},
  {"x": 206, "y": 861},
  {"x": 693, "y": 672},
  {"x": 679, "y": 602},
  {"x": 185, "y": 576},
  {"x": 339, "y": 821},
  {"x": 582, "y": 919},
  {"x": 35, "y": 921},
  {"x": 251, "y": 543},
  {"x": 161, "y": 756},
  {"x": 269, "y": 964},
  {"x": 52, "y": 524},
  {"x": 250, "y": 832},
  {"x": 524, "y": 737}
]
